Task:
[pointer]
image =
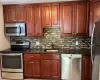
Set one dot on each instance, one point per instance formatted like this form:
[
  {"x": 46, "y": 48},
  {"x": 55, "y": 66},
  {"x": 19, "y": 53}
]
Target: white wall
[
  {"x": 4, "y": 41},
  {"x": 30, "y": 1}
]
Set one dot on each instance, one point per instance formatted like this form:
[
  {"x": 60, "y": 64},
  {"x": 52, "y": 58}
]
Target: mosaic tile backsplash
[{"x": 52, "y": 36}]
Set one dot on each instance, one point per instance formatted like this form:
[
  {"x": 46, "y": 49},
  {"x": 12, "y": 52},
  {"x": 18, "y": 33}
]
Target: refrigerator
[{"x": 95, "y": 51}]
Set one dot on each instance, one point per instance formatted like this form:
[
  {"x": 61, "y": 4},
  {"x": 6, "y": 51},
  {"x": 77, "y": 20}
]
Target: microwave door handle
[{"x": 19, "y": 29}]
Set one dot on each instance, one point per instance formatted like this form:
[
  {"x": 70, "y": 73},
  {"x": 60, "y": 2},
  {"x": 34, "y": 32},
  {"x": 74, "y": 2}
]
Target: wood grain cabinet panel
[
  {"x": 28, "y": 69},
  {"x": 46, "y": 69},
  {"x": 50, "y": 15},
  {"x": 33, "y": 20},
  {"x": 67, "y": 19},
  {"x": 29, "y": 19},
  {"x": 38, "y": 20},
  {"x": 55, "y": 15},
  {"x": 32, "y": 66},
  {"x": 13, "y": 13},
  {"x": 94, "y": 15},
  {"x": 9, "y": 13},
  {"x": 81, "y": 19},
  {"x": 41, "y": 68},
  {"x": 46, "y": 15},
  {"x": 20, "y": 13},
  {"x": 50, "y": 66},
  {"x": 36, "y": 69},
  {"x": 56, "y": 69},
  {"x": 86, "y": 68}
]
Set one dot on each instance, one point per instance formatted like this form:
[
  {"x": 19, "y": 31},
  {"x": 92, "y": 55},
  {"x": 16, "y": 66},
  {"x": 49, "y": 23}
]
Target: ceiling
[{"x": 29, "y": 1}]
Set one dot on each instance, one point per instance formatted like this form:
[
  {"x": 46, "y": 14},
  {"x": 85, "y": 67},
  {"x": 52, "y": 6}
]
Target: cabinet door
[
  {"x": 36, "y": 69},
  {"x": 86, "y": 68},
  {"x": 81, "y": 19},
  {"x": 46, "y": 69},
  {"x": 55, "y": 15},
  {"x": 94, "y": 15},
  {"x": 28, "y": 69},
  {"x": 66, "y": 15},
  {"x": 55, "y": 69},
  {"x": 46, "y": 15},
  {"x": 38, "y": 20},
  {"x": 9, "y": 13},
  {"x": 29, "y": 19},
  {"x": 20, "y": 13}
]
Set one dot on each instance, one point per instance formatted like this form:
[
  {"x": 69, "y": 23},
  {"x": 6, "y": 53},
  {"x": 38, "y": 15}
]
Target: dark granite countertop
[{"x": 68, "y": 51}]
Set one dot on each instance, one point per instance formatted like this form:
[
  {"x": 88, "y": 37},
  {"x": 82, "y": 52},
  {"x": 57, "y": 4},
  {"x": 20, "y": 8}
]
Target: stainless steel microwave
[{"x": 15, "y": 29}]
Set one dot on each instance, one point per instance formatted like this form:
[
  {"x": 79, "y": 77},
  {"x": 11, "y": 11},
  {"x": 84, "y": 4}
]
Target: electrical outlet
[
  {"x": 37, "y": 42},
  {"x": 76, "y": 42}
]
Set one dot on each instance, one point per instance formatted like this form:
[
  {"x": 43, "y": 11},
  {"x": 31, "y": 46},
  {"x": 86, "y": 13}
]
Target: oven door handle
[{"x": 11, "y": 54}]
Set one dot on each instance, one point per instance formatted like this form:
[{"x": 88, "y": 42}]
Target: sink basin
[{"x": 51, "y": 50}]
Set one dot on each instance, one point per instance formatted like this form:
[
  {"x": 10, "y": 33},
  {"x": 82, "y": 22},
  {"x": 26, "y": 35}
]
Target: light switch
[
  {"x": 76, "y": 42},
  {"x": 37, "y": 42}
]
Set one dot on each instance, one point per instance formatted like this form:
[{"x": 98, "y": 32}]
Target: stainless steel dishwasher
[{"x": 71, "y": 66}]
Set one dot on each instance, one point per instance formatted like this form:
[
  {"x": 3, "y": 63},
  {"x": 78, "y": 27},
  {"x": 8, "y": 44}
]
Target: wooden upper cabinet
[
  {"x": 55, "y": 15},
  {"x": 94, "y": 15},
  {"x": 38, "y": 20},
  {"x": 96, "y": 11},
  {"x": 13, "y": 13},
  {"x": 67, "y": 19},
  {"x": 9, "y": 13},
  {"x": 29, "y": 19},
  {"x": 46, "y": 15},
  {"x": 29, "y": 13},
  {"x": 50, "y": 15},
  {"x": 81, "y": 19},
  {"x": 20, "y": 13}
]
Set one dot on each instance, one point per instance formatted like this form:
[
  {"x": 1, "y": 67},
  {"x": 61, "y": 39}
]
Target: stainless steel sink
[{"x": 51, "y": 50}]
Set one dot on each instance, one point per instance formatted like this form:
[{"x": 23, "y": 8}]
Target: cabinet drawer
[
  {"x": 31, "y": 56},
  {"x": 50, "y": 56}
]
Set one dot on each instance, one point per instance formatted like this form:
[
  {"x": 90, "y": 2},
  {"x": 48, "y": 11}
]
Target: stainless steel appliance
[
  {"x": 15, "y": 29},
  {"x": 12, "y": 63},
  {"x": 95, "y": 51},
  {"x": 12, "y": 66},
  {"x": 20, "y": 45},
  {"x": 71, "y": 66}
]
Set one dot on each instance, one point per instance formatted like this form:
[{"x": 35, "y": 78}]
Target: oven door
[
  {"x": 12, "y": 62},
  {"x": 12, "y": 31}
]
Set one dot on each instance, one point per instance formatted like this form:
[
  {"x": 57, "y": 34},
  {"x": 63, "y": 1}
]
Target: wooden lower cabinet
[
  {"x": 28, "y": 69},
  {"x": 50, "y": 69},
  {"x": 40, "y": 67},
  {"x": 46, "y": 68},
  {"x": 32, "y": 69},
  {"x": 86, "y": 68}
]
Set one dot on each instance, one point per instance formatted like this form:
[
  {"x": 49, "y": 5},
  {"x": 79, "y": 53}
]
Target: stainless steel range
[
  {"x": 12, "y": 66},
  {"x": 12, "y": 63}
]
